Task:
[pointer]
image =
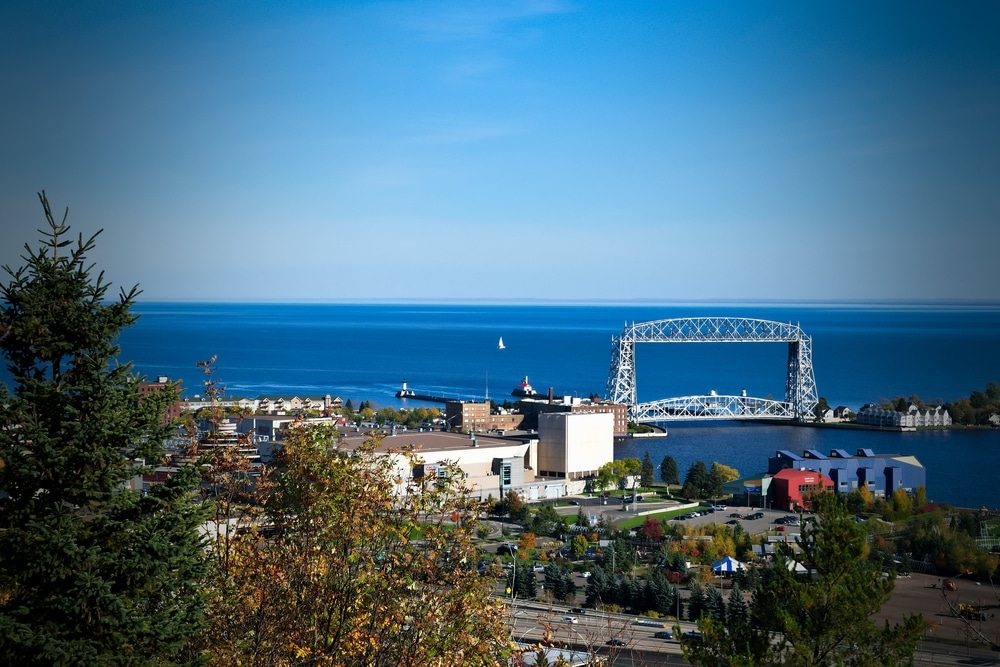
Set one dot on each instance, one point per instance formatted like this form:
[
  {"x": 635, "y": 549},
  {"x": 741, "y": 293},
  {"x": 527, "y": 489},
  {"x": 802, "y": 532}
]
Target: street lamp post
[{"x": 448, "y": 421}]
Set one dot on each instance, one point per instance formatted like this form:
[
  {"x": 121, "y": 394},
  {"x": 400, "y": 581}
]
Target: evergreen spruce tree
[
  {"x": 696, "y": 602},
  {"x": 648, "y": 471},
  {"x": 736, "y": 608},
  {"x": 715, "y": 605},
  {"x": 91, "y": 572},
  {"x": 669, "y": 473}
]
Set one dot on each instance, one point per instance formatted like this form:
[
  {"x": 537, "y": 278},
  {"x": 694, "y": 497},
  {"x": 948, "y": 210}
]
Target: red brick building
[
  {"x": 172, "y": 411},
  {"x": 789, "y": 487}
]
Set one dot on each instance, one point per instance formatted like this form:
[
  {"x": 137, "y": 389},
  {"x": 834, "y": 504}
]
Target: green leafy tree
[
  {"x": 647, "y": 471},
  {"x": 545, "y": 520},
  {"x": 669, "y": 473},
  {"x": 91, "y": 571},
  {"x": 819, "y": 617},
  {"x": 993, "y": 392},
  {"x": 616, "y": 473}
]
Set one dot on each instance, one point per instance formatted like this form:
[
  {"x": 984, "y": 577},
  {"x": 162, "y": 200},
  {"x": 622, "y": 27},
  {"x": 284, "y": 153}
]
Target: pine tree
[
  {"x": 696, "y": 481},
  {"x": 648, "y": 471},
  {"x": 669, "y": 472},
  {"x": 715, "y": 606},
  {"x": 736, "y": 608},
  {"x": 696, "y": 603},
  {"x": 817, "y": 618},
  {"x": 91, "y": 572}
]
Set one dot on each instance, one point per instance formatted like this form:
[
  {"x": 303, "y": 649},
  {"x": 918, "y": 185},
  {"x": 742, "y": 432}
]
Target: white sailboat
[{"x": 500, "y": 345}]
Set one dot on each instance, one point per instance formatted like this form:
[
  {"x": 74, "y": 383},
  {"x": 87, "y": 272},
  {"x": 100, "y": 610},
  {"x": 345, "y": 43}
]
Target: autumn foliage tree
[{"x": 350, "y": 564}]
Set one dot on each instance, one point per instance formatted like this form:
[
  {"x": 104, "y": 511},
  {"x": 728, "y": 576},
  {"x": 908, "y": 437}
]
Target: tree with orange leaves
[{"x": 350, "y": 564}]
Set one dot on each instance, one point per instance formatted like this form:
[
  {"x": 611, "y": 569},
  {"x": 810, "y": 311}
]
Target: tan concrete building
[{"x": 573, "y": 445}]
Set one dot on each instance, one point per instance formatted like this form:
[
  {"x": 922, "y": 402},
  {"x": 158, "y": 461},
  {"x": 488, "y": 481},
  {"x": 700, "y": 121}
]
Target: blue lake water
[{"x": 861, "y": 353}]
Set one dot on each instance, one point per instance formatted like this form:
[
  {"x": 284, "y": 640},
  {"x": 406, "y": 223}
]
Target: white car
[
  {"x": 585, "y": 574},
  {"x": 569, "y": 619}
]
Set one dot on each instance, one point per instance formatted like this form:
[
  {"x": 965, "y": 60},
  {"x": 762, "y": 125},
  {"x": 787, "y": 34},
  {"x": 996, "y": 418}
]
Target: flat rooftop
[{"x": 431, "y": 441}]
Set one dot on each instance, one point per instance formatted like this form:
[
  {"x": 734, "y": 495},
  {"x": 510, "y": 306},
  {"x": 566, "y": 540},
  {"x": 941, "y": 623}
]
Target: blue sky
[{"x": 448, "y": 151}]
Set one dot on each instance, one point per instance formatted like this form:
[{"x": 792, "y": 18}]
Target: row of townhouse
[
  {"x": 914, "y": 417},
  {"x": 267, "y": 405}
]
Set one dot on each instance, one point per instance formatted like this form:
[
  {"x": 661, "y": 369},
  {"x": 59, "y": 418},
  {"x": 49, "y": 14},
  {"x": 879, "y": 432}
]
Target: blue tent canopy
[{"x": 727, "y": 564}]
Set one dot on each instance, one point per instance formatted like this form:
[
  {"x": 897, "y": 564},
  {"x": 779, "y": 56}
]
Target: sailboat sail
[{"x": 500, "y": 345}]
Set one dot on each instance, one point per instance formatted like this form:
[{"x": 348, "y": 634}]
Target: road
[
  {"x": 536, "y": 622},
  {"x": 592, "y": 629}
]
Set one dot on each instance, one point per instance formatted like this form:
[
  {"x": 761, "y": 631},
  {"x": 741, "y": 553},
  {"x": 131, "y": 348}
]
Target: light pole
[{"x": 449, "y": 420}]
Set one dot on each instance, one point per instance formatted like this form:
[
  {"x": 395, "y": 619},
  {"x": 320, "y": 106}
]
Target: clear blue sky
[{"x": 513, "y": 150}]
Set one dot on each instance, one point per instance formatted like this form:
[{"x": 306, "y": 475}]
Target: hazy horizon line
[{"x": 541, "y": 301}]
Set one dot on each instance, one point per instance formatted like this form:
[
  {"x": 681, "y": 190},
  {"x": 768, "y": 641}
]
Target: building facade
[
  {"x": 791, "y": 488},
  {"x": 532, "y": 408},
  {"x": 914, "y": 417},
  {"x": 880, "y": 474},
  {"x": 573, "y": 445},
  {"x": 472, "y": 417}
]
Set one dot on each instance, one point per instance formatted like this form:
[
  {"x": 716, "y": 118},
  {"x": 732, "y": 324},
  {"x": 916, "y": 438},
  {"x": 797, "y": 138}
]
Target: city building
[
  {"x": 170, "y": 412},
  {"x": 790, "y": 488},
  {"x": 473, "y": 417},
  {"x": 573, "y": 445},
  {"x": 913, "y": 418},
  {"x": 533, "y": 407},
  {"x": 493, "y": 465},
  {"x": 881, "y": 474},
  {"x": 568, "y": 449}
]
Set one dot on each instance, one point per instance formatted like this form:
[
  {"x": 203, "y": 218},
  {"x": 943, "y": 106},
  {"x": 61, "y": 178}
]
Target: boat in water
[
  {"x": 524, "y": 389},
  {"x": 500, "y": 345}
]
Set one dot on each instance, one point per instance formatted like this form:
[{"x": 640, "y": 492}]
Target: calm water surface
[{"x": 861, "y": 353}]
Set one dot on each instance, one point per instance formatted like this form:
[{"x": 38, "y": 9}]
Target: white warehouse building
[
  {"x": 568, "y": 448},
  {"x": 573, "y": 445}
]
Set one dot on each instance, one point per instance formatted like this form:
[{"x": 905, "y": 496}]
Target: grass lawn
[{"x": 636, "y": 521}]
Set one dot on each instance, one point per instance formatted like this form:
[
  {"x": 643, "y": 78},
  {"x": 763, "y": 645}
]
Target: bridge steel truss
[{"x": 800, "y": 383}]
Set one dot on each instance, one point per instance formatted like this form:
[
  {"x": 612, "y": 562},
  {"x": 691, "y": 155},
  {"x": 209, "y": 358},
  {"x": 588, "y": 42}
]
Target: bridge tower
[{"x": 800, "y": 383}]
